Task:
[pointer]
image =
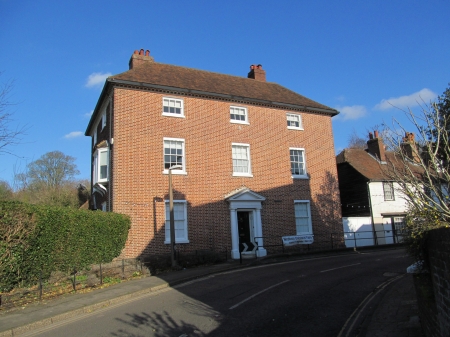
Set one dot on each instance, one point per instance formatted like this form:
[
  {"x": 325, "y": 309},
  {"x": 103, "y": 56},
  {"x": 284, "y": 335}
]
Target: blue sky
[{"x": 360, "y": 57}]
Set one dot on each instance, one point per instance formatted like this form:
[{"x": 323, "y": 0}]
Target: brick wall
[
  {"x": 140, "y": 187},
  {"x": 433, "y": 290}
]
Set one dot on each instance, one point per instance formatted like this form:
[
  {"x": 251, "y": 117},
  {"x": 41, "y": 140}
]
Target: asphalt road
[{"x": 314, "y": 297}]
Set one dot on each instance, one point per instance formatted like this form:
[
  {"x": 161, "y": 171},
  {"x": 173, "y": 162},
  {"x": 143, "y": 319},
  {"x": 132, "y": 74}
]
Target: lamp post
[{"x": 172, "y": 218}]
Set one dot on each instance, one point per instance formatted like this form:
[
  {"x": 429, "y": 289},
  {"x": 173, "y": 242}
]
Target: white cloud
[
  {"x": 424, "y": 95},
  {"x": 88, "y": 114},
  {"x": 352, "y": 112},
  {"x": 74, "y": 134},
  {"x": 96, "y": 79}
]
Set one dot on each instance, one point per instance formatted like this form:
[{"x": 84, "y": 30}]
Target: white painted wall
[{"x": 362, "y": 226}]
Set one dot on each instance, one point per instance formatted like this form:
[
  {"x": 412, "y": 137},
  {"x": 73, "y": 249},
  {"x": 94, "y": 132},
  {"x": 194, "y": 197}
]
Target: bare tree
[
  {"x": 355, "y": 141},
  {"x": 418, "y": 164},
  {"x": 9, "y": 136}
]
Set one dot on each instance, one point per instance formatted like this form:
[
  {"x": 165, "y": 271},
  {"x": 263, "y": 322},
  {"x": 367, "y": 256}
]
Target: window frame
[
  {"x": 300, "y": 122},
  {"x": 298, "y": 176},
  {"x": 170, "y": 114},
  {"x": 385, "y": 191},
  {"x": 249, "y": 165},
  {"x": 103, "y": 120},
  {"x": 97, "y": 166},
  {"x": 234, "y": 121},
  {"x": 308, "y": 208},
  {"x": 185, "y": 238},
  {"x": 183, "y": 144}
]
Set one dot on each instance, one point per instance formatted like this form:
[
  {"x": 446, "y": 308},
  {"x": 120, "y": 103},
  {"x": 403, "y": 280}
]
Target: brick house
[{"x": 253, "y": 160}]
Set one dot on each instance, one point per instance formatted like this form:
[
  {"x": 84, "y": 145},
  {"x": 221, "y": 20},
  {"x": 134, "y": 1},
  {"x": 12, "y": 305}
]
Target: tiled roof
[
  {"x": 368, "y": 165},
  {"x": 159, "y": 74}
]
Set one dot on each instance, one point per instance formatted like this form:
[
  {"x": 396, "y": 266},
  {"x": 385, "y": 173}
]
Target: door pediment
[{"x": 244, "y": 194}]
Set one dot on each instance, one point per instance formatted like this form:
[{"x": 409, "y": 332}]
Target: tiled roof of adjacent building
[
  {"x": 200, "y": 81},
  {"x": 369, "y": 166}
]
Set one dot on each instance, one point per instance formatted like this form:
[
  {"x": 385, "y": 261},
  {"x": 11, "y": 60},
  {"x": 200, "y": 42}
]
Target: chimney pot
[
  {"x": 257, "y": 73},
  {"x": 376, "y": 147},
  {"x": 140, "y": 57}
]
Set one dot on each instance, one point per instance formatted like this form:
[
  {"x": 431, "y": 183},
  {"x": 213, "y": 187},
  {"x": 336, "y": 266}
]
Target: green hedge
[{"x": 37, "y": 240}]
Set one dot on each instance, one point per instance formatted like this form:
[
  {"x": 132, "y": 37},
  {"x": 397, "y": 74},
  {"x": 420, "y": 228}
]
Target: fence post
[
  {"x": 40, "y": 286},
  {"x": 101, "y": 274},
  {"x": 74, "y": 279}
]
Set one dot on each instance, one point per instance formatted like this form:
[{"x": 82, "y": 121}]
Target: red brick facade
[{"x": 138, "y": 187}]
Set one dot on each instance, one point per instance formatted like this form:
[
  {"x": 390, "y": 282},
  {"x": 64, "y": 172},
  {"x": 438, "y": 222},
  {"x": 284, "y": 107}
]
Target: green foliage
[
  {"x": 419, "y": 222},
  {"x": 55, "y": 239}
]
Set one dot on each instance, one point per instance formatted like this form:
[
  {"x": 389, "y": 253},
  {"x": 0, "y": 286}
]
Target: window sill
[
  {"x": 239, "y": 122},
  {"x": 300, "y": 177},
  {"x": 243, "y": 175},
  {"x": 294, "y": 128},
  {"x": 176, "y": 172},
  {"x": 177, "y": 241},
  {"x": 173, "y": 115}
]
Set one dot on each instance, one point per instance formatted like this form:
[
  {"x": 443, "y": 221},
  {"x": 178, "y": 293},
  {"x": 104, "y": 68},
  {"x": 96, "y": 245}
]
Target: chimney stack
[
  {"x": 139, "y": 57},
  {"x": 376, "y": 147},
  {"x": 410, "y": 148},
  {"x": 257, "y": 73}
]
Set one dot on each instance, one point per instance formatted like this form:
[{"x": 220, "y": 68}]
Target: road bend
[{"x": 320, "y": 296}]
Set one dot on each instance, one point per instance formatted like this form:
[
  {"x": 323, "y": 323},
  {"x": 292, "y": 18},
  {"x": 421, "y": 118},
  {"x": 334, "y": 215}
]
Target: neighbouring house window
[
  {"x": 388, "y": 188},
  {"x": 302, "y": 217},
  {"x": 173, "y": 107},
  {"x": 180, "y": 221},
  {"x": 294, "y": 122},
  {"x": 101, "y": 165},
  {"x": 238, "y": 115},
  {"x": 241, "y": 160},
  {"x": 298, "y": 166},
  {"x": 174, "y": 155}
]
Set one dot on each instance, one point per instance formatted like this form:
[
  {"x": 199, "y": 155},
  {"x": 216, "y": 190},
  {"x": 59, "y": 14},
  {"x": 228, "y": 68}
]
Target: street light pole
[{"x": 172, "y": 217}]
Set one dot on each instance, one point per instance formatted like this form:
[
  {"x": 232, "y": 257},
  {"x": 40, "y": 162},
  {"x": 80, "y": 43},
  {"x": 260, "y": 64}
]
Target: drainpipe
[
  {"x": 375, "y": 239},
  {"x": 110, "y": 153}
]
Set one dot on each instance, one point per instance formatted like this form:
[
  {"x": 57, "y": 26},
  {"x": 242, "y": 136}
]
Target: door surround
[{"x": 245, "y": 200}]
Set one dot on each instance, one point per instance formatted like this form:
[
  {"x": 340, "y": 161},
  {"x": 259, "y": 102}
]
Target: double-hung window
[
  {"x": 388, "y": 188},
  {"x": 180, "y": 221},
  {"x": 241, "y": 160},
  {"x": 238, "y": 115},
  {"x": 174, "y": 155},
  {"x": 294, "y": 121},
  {"x": 303, "y": 223},
  {"x": 100, "y": 168},
  {"x": 173, "y": 107},
  {"x": 298, "y": 163}
]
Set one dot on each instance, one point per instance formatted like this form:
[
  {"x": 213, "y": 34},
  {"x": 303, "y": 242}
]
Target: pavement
[{"x": 395, "y": 313}]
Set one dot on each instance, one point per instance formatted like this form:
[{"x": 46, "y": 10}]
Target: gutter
[{"x": 225, "y": 96}]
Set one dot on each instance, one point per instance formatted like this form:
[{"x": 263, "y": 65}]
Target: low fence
[
  {"x": 275, "y": 244},
  {"x": 103, "y": 274}
]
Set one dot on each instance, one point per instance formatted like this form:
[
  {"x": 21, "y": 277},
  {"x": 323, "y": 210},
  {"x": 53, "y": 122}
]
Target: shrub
[{"x": 37, "y": 240}]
